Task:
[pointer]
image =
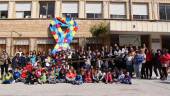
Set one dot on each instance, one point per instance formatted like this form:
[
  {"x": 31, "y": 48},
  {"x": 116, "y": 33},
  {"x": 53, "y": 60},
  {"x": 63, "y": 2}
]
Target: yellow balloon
[
  {"x": 71, "y": 27},
  {"x": 55, "y": 36},
  {"x": 71, "y": 22},
  {"x": 59, "y": 29},
  {"x": 52, "y": 22},
  {"x": 65, "y": 34},
  {"x": 74, "y": 33},
  {"x": 56, "y": 47},
  {"x": 64, "y": 18}
]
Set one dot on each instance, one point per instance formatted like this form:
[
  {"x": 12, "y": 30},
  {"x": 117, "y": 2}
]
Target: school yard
[{"x": 138, "y": 88}]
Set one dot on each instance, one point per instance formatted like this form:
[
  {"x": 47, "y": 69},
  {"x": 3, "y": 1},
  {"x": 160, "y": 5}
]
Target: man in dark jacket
[
  {"x": 15, "y": 61},
  {"x": 22, "y": 60}
]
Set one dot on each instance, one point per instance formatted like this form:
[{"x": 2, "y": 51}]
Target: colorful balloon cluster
[{"x": 63, "y": 38}]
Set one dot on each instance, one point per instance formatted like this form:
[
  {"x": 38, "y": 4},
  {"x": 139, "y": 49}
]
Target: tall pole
[
  {"x": 130, "y": 9},
  {"x": 11, "y": 44}
]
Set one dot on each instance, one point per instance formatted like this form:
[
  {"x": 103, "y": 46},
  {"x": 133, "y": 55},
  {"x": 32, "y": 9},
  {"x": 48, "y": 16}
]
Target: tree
[{"x": 100, "y": 29}]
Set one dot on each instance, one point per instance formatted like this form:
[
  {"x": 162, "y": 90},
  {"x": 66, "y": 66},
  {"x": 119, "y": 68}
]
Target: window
[
  {"x": 164, "y": 12},
  {"x": 47, "y": 9},
  {"x": 140, "y": 11},
  {"x": 70, "y": 9},
  {"x": 23, "y": 10},
  {"x": 94, "y": 10},
  {"x": 117, "y": 11},
  {"x": 3, "y": 10}
]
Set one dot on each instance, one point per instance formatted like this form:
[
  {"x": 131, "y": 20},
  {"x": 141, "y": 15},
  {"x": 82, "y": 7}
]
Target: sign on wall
[
  {"x": 21, "y": 42},
  {"x": 156, "y": 43},
  {"x": 2, "y": 41},
  {"x": 45, "y": 41},
  {"x": 135, "y": 40}
]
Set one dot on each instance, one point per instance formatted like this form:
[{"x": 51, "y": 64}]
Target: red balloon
[
  {"x": 75, "y": 29},
  {"x": 53, "y": 33},
  {"x": 65, "y": 40},
  {"x": 67, "y": 30},
  {"x": 59, "y": 18},
  {"x": 56, "y": 40}
]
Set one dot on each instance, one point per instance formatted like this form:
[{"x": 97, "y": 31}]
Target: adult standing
[
  {"x": 43, "y": 56},
  {"x": 33, "y": 58},
  {"x": 5, "y": 62},
  {"x": 165, "y": 58},
  {"x": 157, "y": 63},
  {"x": 118, "y": 58},
  {"x": 22, "y": 60},
  {"x": 15, "y": 61},
  {"x": 129, "y": 63},
  {"x": 148, "y": 64},
  {"x": 19, "y": 52},
  {"x": 139, "y": 59}
]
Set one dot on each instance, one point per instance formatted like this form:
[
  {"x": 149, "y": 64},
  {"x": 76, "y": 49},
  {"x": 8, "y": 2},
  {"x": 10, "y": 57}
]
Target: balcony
[{"x": 139, "y": 26}]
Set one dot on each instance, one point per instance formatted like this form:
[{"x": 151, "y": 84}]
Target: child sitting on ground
[
  {"x": 108, "y": 77},
  {"x": 98, "y": 76},
  {"x": 127, "y": 78},
  {"x": 23, "y": 75},
  {"x": 124, "y": 78},
  {"x": 70, "y": 76},
  {"x": 121, "y": 77},
  {"x": 17, "y": 75},
  {"x": 43, "y": 78},
  {"x": 52, "y": 77},
  {"x": 8, "y": 78},
  {"x": 88, "y": 77},
  {"x": 61, "y": 76},
  {"x": 79, "y": 79},
  {"x": 31, "y": 77}
]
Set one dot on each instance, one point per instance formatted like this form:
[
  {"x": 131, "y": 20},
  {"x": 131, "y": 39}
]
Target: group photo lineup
[{"x": 84, "y": 47}]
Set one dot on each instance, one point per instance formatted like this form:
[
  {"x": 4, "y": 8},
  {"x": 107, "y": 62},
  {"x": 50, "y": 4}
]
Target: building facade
[{"x": 24, "y": 23}]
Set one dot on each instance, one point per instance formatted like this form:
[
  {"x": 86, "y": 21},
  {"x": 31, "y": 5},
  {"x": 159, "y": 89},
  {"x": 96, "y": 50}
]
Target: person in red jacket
[
  {"x": 29, "y": 67},
  {"x": 88, "y": 77},
  {"x": 165, "y": 58},
  {"x": 149, "y": 64},
  {"x": 23, "y": 74},
  {"x": 108, "y": 77},
  {"x": 70, "y": 76}
]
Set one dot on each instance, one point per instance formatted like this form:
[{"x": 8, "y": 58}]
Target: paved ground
[{"x": 138, "y": 88}]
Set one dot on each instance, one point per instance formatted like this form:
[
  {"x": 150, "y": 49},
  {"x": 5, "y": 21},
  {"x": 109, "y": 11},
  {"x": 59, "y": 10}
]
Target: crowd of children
[
  {"x": 107, "y": 65},
  {"x": 65, "y": 67}
]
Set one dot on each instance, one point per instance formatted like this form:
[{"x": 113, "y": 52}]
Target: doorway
[{"x": 165, "y": 42}]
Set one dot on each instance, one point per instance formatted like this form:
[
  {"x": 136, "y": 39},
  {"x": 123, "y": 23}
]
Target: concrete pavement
[{"x": 138, "y": 88}]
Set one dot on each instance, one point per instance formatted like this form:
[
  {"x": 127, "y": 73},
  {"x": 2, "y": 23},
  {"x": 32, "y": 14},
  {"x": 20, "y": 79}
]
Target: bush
[{"x": 99, "y": 29}]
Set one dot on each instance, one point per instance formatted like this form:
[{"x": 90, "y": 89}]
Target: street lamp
[{"x": 19, "y": 34}]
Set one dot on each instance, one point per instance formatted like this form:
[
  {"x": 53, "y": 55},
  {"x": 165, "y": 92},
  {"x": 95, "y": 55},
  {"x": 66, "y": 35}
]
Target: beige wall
[
  {"x": 39, "y": 28},
  {"x": 152, "y": 7},
  {"x": 35, "y": 29}
]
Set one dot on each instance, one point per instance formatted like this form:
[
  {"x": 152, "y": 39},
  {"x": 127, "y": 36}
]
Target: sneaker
[{"x": 13, "y": 82}]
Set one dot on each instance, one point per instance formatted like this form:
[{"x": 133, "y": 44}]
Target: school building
[{"x": 25, "y": 23}]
